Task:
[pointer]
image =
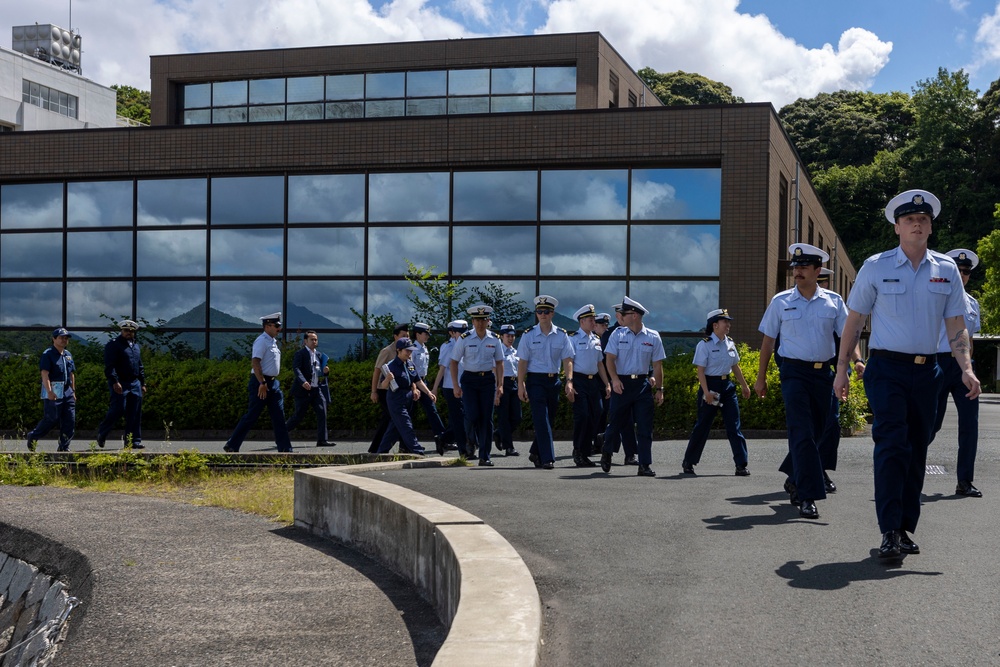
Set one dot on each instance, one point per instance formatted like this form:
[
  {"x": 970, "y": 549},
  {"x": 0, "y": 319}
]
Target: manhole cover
[{"x": 936, "y": 470}]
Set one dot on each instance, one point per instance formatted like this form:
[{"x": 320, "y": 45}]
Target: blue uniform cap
[
  {"x": 60, "y": 331},
  {"x": 405, "y": 344}
]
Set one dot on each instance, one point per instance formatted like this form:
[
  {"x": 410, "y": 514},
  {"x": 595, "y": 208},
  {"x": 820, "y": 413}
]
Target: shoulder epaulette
[
  {"x": 556, "y": 329},
  {"x": 573, "y": 333},
  {"x": 466, "y": 334},
  {"x": 530, "y": 328},
  {"x": 707, "y": 339}
]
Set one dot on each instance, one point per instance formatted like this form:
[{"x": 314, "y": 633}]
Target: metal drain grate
[{"x": 936, "y": 470}]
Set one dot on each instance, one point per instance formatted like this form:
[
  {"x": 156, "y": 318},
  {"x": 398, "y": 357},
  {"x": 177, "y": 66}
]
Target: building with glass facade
[{"x": 302, "y": 180}]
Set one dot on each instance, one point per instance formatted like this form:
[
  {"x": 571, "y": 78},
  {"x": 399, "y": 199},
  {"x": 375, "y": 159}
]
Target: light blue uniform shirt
[
  {"x": 478, "y": 354},
  {"x": 806, "y": 327},
  {"x": 587, "y": 352},
  {"x": 544, "y": 353},
  {"x": 971, "y": 324},
  {"x": 266, "y": 349},
  {"x": 635, "y": 352},
  {"x": 718, "y": 356},
  {"x": 444, "y": 359},
  {"x": 510, "y": 361},
  {"x": 907, "y": 306},
  {"x": 421, "y": 359}
]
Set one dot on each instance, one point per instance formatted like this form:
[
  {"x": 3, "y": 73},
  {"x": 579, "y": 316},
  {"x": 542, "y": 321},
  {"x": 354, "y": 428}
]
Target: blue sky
[{"x": 766, "y": 50}]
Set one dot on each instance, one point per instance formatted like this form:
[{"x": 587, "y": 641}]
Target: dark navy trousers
[
  {"x": 508, "y": 413},
  {"x": 706, "y": 415},
  {"x": 635, "y": 402},
  {"x": 806, "y": 392},
  {"x": 478, "y": 393},
  {"x": 829, "y": 442},
  {"x": 431, "y": 413},
  {"x": 61, "y": 412},
  {"x": 129, "y": 404},
  {"x": 456, "y": 420},
  {"x": 275, "y": 404},
  {"x": 903, "y": 397},
  {"x": 303, "y": 400},
  {"x": 587, "y": 407},
  {"x": 543, "y": 399},
  {"x": 968, "y": 415},
  {"x": 400, "y": 425}
]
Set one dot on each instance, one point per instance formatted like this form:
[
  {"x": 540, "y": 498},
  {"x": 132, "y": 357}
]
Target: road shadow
[
  {"x": 925, "y": 499},
  {"x": 834, "y": 576},
  {"x": 782, "y": 513}
]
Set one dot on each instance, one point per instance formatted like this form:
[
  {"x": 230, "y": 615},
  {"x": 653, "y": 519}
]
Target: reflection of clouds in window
[
  {"x": 30, "y": 206},
  {"x": 182, "y": 201},
  {"x": 584, "y": 195},
  {"x": 675, "y": 250},
  {"x": 99, "y": 204},
  {"x": 85, "y": 302},
  {"x": 247, "y": 301},
  {"x": 493, "y": 251},
  {"x": 523, "y": 289},
  {"x": 334, "y": 252},
  {"x": 97, "y": 254},
  {"x": 424, "y": 246},
  {"x": 582, "y": 250},
  {"x": 318, "y": 303},
  {"x": 676, "y": 305},
  {"x": 332, "y": 198},
  {"x": 170, "y": 253},
  {"x": 169, "y": 300},
  {"x": 243, "y": 252},
  {"x": 390, "y": 296},
  {"x": 248, "y": 200},
  {"x": 575, "y": 293},
  {"x": 676, "y": 194},
  {"x": 31, "y": 256},
  {"x": 408, "y": 197},
  {"x": 30, "y": 304},
  {"x": 496, "y": 195}
]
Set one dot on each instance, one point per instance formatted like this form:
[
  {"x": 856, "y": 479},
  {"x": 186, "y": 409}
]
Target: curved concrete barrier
[{"x": 465, "y": 568}]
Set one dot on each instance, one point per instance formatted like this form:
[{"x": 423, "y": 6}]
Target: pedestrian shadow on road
[
  {"x": 834, "y": 576},
  {"x": 933, "y": 498},
  {"x": 782, "y": 513}
]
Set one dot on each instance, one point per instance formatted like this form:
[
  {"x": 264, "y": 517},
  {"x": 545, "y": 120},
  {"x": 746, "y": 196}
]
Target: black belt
[
  {"x": 815, "y": 365},
  {"x": 543, "y": 375},
  {"x": 945, "y": 356},
  {"x": 581, "y": 376},
  {"x": 269, "y": 378},
  {"x": 902, "y": 356},
  {"x": 726, "y": 377},
  {"x": 478, "y": 373}
]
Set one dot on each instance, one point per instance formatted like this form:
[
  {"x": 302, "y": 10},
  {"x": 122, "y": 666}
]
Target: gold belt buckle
[
  {"x": 818, "y": 365},
  {"x": 919, "y": 359}
]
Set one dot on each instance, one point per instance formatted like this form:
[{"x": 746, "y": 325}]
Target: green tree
[
  {"x": 684, "y": 88},
  {"x": 133, "y": 103},
  {"x": 507, "y": 308},
  {"x": 988, "y": 250},
  {"x": 435, "y": 299}
]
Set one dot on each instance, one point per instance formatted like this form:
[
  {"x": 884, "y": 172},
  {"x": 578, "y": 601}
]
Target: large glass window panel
[
  {"x": 385, "y": 108},
  {"x": 389, "y": 296},
  {"x": 86, "y": 302},
  {"x": 676, "y": 305},
  {"x": 241, "y": 303},
  {"x": 674, "y": 250},
  {"x": 252, "y": 200},
  {"x": 468, "y": 105},
  {"x": 267, "y": 114},
  {"x": 198, "y": 117},
  {"x": 326, "y": 198},
  {"x": 230, "y": 344},
  {"x": 30, "y": 304},
  {"x": 229, "y": 93},
  {"x": 493, "y": 251},
  {"x": 339, "y": 345},
  {"x": 229, "y": 115},
  {"x": 435, "y": 106},
  {"x": 326, "y": 252},
  {"x": 345, "y": 87},
  {"x": 171, "y": 253},
  {"x": 523, "y": 291},
  {"x": 572, "y": 294},
  {"x": 305, "y": 111},
  {"x": 409, "y": 197},
  {"x": 598, "y": 194},
  {"x": 390, "y": 247},
  {"x": 98, "y": 254},
  {"x": 247, "y": 252},
  {"x": 468, "y": 82},
  {"x": 381, "y": 85},
  {"x": 180, "y": 304},
  {"x": 510, "y": 104},
  {"x": 197, "y": 95},
  {"x": 305, "y": 89},
  {"x": 31, "y": 205},
  {"x": 107, "y": 204},
  {"x": 323, "y": 304},
  {"x": 342, "y": 110},
  {"x": 512, "y": 80},
  {"x": 676, "y": 194},
  {"x": 495, "y": 195},
  {"x": 267, "y": 91},
  {"x": 179, "y": 201},
  {"x": 582, "y": 250},
  {"x": 555, "y": 79},
  {"x": 31, "y": 255},
  {"x": 426, "y": 84},
  {"x": 555, "y": 102}
]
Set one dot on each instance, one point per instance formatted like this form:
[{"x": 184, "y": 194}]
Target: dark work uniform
[
  {"x": 61, "y": 411},
  {"x": 123, "y": 365},
  {"x": 400, "y": 402},
  {"x": 589, "y": 400}
]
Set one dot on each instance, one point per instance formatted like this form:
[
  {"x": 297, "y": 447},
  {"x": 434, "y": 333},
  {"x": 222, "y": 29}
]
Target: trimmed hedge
[{"x": 211, "y": 395}]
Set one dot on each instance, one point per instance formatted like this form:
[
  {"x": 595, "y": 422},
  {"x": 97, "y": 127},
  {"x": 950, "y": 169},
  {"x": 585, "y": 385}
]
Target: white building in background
[{"x": 39, "y": 95}]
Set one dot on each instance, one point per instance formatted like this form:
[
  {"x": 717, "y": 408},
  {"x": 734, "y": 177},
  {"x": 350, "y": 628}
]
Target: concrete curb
[{"x": 467, "y": 570}]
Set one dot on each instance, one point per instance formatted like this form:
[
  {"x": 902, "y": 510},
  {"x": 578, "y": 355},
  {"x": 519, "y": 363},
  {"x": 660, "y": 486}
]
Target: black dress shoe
[
  {"x": 631, "y": 461},
  {"x": 134, "y": 445},
  {"x": 512, "y": 452},
  {"x": 808, "y": 510},
  {"x": 32, "y": 445},
  {"x": 584, "y": 462},
  {"x": 439, "y": 445},
  {"x": 451, "y": 448},
  {"x": 534, "y": 459},
  {"x": 828, "y": 483},
  {"x": 890, "y": 545},
  {"x": 742, "y": 471},
  {"x": 606, "y": 462},
  {"x": 486, "y": 463},
  {"x": 100, "y": 443},
  {"x": 645, "y": 471},
  {"x": 966, "y": 489},
  {"x": 687, "y": 468},
  {"x": 548, "y": 466},
  {"x": 793, "y": 493},
  {"x": 229, "y": 449},
  {"x": 906, "y": 545},
  {"x": 326, "y": 443}
]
